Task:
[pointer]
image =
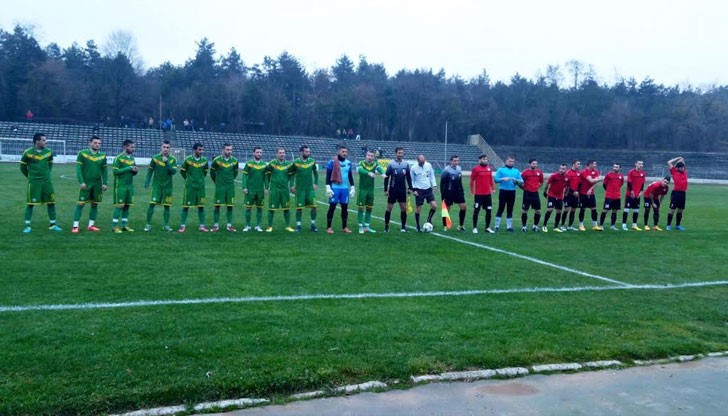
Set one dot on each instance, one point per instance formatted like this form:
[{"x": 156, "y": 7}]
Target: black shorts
[
  {"x": 557, "y": 204},
  {"x": 632, "y": 203},
  {"x": 587, "y": 201},
  {"x": 677, "y": 200},
  {"x": 424, "y": 195},
  {"x": 483, "y": 201},
  {"x": 650, "y": 201},
  {"x": 571, "y": 201},
  {"x": 531, "y": 200},
  {"x": 397, "y": 196},
  {"x": 453, "y": 197},
  {"x": 610, "y": 203}
]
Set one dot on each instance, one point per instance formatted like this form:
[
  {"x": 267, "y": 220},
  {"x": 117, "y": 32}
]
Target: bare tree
[{"x": 122, "y": 42}]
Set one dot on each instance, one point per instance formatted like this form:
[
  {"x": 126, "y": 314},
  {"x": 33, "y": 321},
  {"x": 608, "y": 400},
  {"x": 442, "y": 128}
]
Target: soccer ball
[{"x": 427, "y": 227}]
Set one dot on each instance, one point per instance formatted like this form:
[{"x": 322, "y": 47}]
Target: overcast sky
[{"x": 674, "y": 42}]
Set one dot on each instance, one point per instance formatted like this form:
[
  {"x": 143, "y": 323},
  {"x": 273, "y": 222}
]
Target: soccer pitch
[{"x": 102, "y": 323}]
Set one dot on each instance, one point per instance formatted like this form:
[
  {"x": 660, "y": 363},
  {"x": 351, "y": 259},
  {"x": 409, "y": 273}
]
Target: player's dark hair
[
  {"x": 398, "y": 148},
  {"x": 574, "y": 162},
  {"x": 618, "y": 164},
  {"x": 257, "y": 148},
  {"x": 37, "y": 137},
  {"x": 590, "y": 161},
  {"x": 680, "y": 165},
  {"x": 667, "y": 178},
  {"x": 563, "y": 164},
  {"x": 197, "y": 146},
  {"x": 342, "y": 146},
  {"x": 482, "y": 156},
  {"x": 166, "y": 142},
  {"x": 94, "y": 137},
  {"x": 127, "y": 142},
  {"x": 531, "y": 161},
  {"x": 302, "y": 148},
  {"x": 453, "y": 157},
  {"x": 226, "y": 145}
]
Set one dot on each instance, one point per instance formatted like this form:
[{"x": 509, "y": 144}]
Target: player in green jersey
[
  {"x": 254, "y": 188},
  {"x": 223, "y": 171},
  {"x": 278, "y": 182},
  {"x": 36, "y": 164},
  {"x": 162, "y": 168},
  {"x": 368, "y": 170},
  {"x": 194, "y": 170},
  {"x": 305, "y": 172},
  {"x": 124, "y": 170},
  {"x": 92, "y": 175}
]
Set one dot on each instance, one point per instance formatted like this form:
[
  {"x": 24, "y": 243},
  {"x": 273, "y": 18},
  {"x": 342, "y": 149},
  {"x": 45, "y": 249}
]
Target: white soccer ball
[{"x": 427, "y": 227}]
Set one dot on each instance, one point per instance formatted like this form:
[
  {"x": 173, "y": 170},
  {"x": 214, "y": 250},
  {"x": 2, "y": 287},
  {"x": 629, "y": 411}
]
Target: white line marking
[
  {"x": 252, "y": 299},
  {"x": 512, "y": 254}
]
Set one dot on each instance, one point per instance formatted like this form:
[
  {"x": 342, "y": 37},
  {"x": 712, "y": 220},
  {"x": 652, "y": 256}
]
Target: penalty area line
[{"x": 391, "y": 295}]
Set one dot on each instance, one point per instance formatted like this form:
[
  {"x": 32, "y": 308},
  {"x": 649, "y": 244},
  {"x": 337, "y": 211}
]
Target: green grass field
[{"x": 113, "y": 359}]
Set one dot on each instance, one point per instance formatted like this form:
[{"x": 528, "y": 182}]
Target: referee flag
[
  {"x": 410, "y": 208},
  {"x": 446, "y": 215}
]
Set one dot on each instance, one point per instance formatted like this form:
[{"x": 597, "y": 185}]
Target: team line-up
[{"x": 566, "y": 190}]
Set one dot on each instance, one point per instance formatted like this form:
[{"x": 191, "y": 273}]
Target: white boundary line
[
  {"x": 253, "y": 299},
  {"x": 512, "y": 254}
]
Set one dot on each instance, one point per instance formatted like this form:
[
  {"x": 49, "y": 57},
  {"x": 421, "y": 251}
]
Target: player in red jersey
[
  {"x": 613, "y": 182},
  {"x": 653, "y": 199},
  {"x": 532, "y": 181},
  {"x": 635, "y": 184},
  {"x": 571, "y": 197},
  {"x": 589, "y": 179},
  {"x": 677, "y": 197},
  {"x": 482, "y": 187},
  {"x": 554, "y": 194}
]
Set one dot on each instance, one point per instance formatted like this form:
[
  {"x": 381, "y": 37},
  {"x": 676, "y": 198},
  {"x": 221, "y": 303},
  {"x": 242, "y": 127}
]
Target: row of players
[
  {"x": 572, "y": 188},
  {"x": 279, "y": 178}
]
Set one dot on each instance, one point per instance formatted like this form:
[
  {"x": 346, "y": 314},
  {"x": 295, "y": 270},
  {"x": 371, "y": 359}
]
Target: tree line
[{"x": 564, "y": 107}]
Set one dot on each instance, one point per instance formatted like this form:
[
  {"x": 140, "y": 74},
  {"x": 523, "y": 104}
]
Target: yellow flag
[
  {"x": 410, "y": 208},
  {"x": 446, "y": 215}
]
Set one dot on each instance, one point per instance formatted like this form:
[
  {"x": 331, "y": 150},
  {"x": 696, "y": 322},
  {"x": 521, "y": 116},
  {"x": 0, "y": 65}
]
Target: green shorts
[
  {"x": 123, "y": 195},
  {"x": 254, "y": 198},
  {"x": 161, "y": 195},
  {"x": 305, "y": 198},
  {"x": 279, "y": 199},
  {"x": 365, "y": 198},
  {"x": 193, "y": 197},
  {"x": 93, "y": 193},
  {"x": 224, "y": 195},
  {"x": 41, "y": 193}
]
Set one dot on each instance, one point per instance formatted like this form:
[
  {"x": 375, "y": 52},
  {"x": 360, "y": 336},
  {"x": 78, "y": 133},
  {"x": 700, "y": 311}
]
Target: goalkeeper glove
[
  {"x": 329, "y": 191},
  {"x": 352, "y": 192}
]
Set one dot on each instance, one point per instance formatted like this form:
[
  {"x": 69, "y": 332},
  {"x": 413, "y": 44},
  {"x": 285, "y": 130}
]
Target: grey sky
[{"x": 674, "y": 42}]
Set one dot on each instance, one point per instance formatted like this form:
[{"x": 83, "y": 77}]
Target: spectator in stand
[
  {"x": 150, "y": 123},
  {"x": 186, "y": 124},
  {"x": 29, "y": 116}
]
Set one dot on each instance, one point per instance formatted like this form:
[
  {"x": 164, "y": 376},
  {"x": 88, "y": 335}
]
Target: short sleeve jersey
[
  {"x": 655, "y": 190},
  {"x": 481, "y": 180},
  {"x": 585, "y": 184}
]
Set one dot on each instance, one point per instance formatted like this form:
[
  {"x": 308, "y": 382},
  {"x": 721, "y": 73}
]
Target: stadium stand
[{"x": 701, "y": 165}]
